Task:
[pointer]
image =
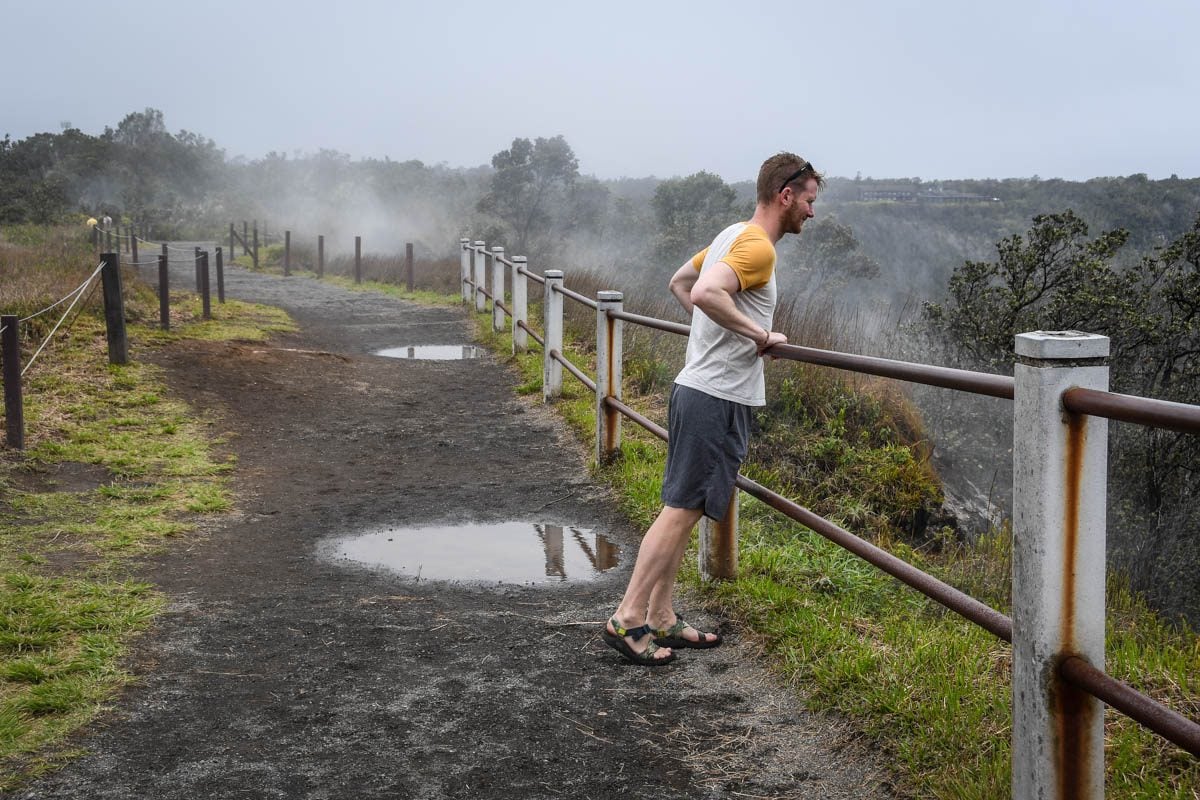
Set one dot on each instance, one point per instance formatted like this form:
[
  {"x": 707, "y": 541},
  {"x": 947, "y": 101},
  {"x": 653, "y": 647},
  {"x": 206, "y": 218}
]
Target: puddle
[
  {"x": 506, "y": 552},
  {"x": 433, "y": 352}
]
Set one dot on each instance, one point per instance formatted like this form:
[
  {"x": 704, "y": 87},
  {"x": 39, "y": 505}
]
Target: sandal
[
  {"x": 673, "y": 637},
  {"x": 646, "y": 658}
]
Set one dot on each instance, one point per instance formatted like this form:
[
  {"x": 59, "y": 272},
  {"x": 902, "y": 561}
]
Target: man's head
[{"x": 788, "y": 185}]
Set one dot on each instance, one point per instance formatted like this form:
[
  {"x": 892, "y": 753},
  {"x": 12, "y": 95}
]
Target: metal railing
[{"x": 1057, "y": 628}]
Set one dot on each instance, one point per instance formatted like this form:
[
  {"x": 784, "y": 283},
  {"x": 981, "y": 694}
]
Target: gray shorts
[{"x": 708, "y": 441}]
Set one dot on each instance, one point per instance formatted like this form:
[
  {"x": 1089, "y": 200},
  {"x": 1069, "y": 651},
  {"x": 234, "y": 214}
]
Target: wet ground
[{"x": 285, "y": 668}]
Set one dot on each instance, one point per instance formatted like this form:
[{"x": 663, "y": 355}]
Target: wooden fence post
[
  {"x": 196, "y": 264},
  {"x": 114, "y": 309},
  {"x": 245, "y": 241},
  {"x": 497, "y": 289},
  {"x": 14, "y": 409},
  {"x": 133, "y": 245},
  {"x": 232, "y": 239},
  {"x": 205, "y": 296},
  {"x": 609, "y": 346},
  {"x": 287, "y": 253},
  {"x": 254, "y": 253},
  {"x": 552, "y": 312},
  {"x": 408, "y": 264},
  {"x": 358, "y": 259},
  {"x": 321, "y": 256},
  {"x": 520, "y": 305},
  {"x": 164, "y": 297},
  {"x": 1060, "y": 469},
  {"x": 221, "y": 275}
]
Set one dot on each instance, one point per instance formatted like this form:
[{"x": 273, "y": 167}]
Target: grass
[
  {"x": 930, "y": 689},
  {"x": 145, "y": 475}
]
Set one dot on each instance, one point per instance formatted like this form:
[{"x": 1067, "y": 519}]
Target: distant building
[{"x": 913, "y": 194}]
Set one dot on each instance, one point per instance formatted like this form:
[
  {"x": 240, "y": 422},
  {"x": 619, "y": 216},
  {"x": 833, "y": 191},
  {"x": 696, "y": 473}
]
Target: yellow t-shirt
[
  {"x": 751, "y": 256},
  {"x": 720, "y": 362}
]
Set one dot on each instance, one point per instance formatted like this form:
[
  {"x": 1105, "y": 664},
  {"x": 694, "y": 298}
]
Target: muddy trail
[{"x": 283, "y": 668}]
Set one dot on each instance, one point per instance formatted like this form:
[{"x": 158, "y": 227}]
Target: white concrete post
[
  {"x": 498, "y": 270},
  {"x": 464, "y": 269},
  {"x": 520, "y": 305},
  {"x": 609, "y": 348},
  {"x": 718, "y": 556},
  {"x": 552, "y": 311},
  {"x": 480, "y": 275},
  {"x": 1060, "y": 465}
]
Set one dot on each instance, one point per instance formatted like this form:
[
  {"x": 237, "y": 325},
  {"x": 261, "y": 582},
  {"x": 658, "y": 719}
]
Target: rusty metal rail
[
  {"x": 576, "y": 296},
  {"x": 946, "y": 377},
  {"x": 574, "y": 370},
  {"x": 502, "y": 307},
  {"x": 963, "y": 380},
  {"x": 653, "y": 322},
  {"x": 532, "y": 333},
  {"x": 987, "y": 618},
  {"x": 532, "y": 276},
  {"x": 1139, "y": 410},
  {"x": 1169, "y": 724}
]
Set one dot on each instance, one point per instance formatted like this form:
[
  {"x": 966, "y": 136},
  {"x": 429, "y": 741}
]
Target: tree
[
  {"x": 690, "y": 212},
  {"x": 529, "y": 186},
  {"x": 831, "y": 258},
  {"x": 1055, "y": 278}
]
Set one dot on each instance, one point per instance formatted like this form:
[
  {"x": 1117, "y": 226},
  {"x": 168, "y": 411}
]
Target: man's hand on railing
[{"x": 772, "y": 338}]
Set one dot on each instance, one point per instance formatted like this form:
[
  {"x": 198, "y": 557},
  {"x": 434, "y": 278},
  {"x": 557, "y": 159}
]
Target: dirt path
[{"x": 278, "y": 672}]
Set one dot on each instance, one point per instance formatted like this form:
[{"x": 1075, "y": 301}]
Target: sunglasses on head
[{"x": 808, "y": 167}]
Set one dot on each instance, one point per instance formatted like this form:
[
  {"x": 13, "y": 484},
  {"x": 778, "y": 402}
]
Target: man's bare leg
[{"x": 659, "y": 555}]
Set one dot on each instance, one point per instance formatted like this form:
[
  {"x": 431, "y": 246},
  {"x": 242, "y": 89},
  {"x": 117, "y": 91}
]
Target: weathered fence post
[
  {"x": 464, "y": 268},
  {"x": 164, "y": 298},
  {"x": 254, "y": 252},
  {"x": 497, "y": 289},
  {"x": 117, "y": 235},
  {"x": 114, "y": 309},
  {"x": 408, "y": 264},
  {"x": 1060, "y": 466},
  {"x": 718, "y": 557},
  {"x": 245, "y": 241},
  {"x": 108, "y": 238},
  {"x": 520, "y": 305},
  {"x": 480, "y": 276},
  {"x": 196, "y": 264},
  {"x": 14, "y": 409},
  {"x": 133, "y": 245},
  {"x": 232, "y": 239},
  {"x": 205, "y": 295},
  {"x": 358, "y": 259},
  {"x": 287, "y": 253},
  {"x": 321, "y": 256},
  {"x": 221, "y": 275},
  {"x": 609, "y": 347},
  {"x": 552, "y": 313}
]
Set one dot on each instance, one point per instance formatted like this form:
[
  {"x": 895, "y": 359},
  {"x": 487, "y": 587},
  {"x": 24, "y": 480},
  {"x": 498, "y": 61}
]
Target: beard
[{"x": 795, "y": 221}]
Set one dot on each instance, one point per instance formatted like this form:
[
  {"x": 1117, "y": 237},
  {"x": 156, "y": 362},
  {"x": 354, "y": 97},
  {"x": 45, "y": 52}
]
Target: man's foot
[
  {"x": 680, "y": 634},
  {"x": 636, "y": 644}
]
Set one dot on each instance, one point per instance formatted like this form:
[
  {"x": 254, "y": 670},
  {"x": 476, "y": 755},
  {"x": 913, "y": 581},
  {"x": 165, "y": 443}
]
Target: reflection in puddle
[
  {"x": 509, "y": 552},
  {"x": 433, "y": 352}
]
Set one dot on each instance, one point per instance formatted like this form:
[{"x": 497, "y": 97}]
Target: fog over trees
[{"x": 941, "y": 271}]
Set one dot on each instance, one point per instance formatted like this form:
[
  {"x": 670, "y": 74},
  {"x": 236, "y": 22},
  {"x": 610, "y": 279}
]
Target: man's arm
[
  {"x": 713, "y": 293},
  {"x": 681, "y": 285}
]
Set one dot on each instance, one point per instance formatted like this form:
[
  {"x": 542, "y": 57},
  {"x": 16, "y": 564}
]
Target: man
[{"x": 729, "y": 289}]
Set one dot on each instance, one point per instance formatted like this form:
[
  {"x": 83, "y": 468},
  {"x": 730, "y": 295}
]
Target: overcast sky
[{"x": 938, "y": 89}]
